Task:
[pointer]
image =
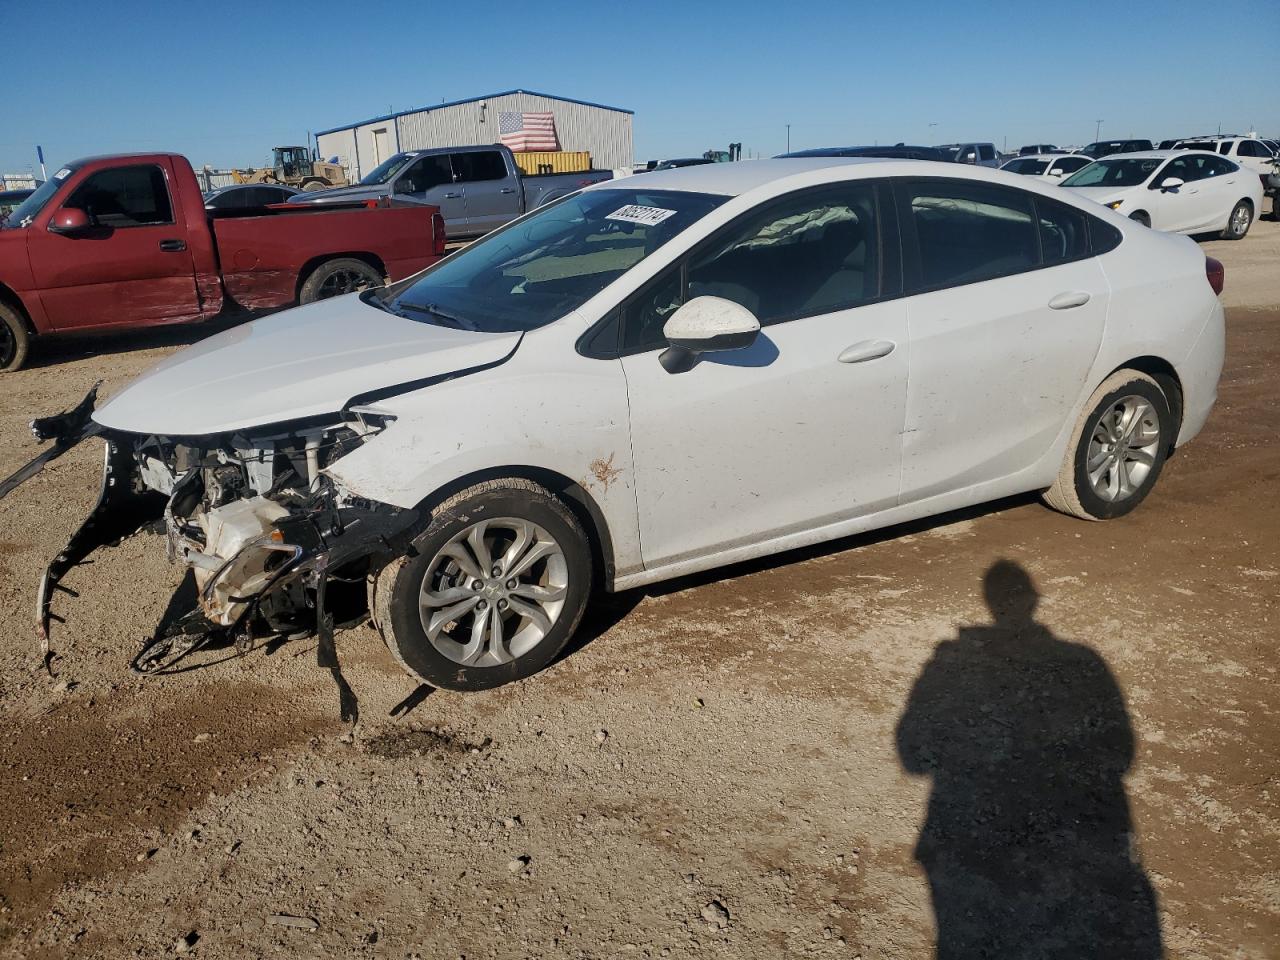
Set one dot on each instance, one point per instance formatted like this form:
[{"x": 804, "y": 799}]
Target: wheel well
[
  {"x": 9, "y": 298},
  {"x": 573, "y": 494},
  {"x": 1162, "y": 372},
  {"x": 310, "y": 266}
]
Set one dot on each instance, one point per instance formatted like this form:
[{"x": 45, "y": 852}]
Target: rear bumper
[{"x": 1200, "y": 373}]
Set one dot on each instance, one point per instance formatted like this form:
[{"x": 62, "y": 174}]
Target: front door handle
[
  {"x": 508, "y": 190},
  {"x": 453, "y": 196},
  {"x": 173, "y": 246},
  {"x": 1065, "y": 301},
  {"x": 865, "y": 350}
]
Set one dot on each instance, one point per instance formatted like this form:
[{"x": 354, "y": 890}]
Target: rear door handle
[
  {"x": 865, "y": 350},
  {"x": 508, "y": 190},
  {"x": 453, "y": 196},
  {"x": 1065, "y": 301},
  {"x": 173, "y": 246}
]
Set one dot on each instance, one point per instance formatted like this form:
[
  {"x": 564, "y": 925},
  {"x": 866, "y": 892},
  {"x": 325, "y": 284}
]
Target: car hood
[
  {"x": 1103, "y": 195},
  {"x": 305, "y": 362}
]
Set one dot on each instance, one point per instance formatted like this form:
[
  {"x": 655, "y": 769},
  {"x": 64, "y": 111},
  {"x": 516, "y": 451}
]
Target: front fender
[{"x": 570, "y": 420}]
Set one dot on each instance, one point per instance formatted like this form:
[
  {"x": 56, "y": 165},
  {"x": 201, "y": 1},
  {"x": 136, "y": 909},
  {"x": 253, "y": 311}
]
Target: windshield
[
  {"x": 26, "y": 211},
  {"x": 541, "y": 268},
  {"x": 1027, "y": 166},
  {"x": 387, "y": 169},
  {"x": 1114, "y": 172}
]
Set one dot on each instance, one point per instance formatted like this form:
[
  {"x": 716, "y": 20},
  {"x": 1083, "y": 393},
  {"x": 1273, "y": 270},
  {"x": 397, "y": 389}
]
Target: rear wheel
[
  {"x": 1117, "y": 449},
  {"x": 1141, "y": 216},
  {"x": 1239, "y": 222},
  {"x": 492, "y": 590},
  {"x": 311, "y": 186},
  {"x": 338, "y": 277},
  {"x": 14, "y": 339}
]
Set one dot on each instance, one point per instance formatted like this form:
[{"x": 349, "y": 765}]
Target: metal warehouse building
[{"x": 604, "y": 132}]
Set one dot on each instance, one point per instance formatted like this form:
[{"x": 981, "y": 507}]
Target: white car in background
[
  {"x": 651, "y": 378},
  {"x": 1178, "y": 191},
  {"x": 1051, "y": 166},
  {"x": 1249, "y": 152}
]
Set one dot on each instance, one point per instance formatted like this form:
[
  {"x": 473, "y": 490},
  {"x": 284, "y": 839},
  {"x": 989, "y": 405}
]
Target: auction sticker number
[{"x": 646, "y": 216}]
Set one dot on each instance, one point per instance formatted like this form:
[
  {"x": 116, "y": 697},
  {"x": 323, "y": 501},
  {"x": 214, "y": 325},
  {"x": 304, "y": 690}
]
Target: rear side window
[
  {"x": 1224, "y": 147},
  {"x": 482, "y": 165},
  {"x": 967, "y": 232},
  {"x": 1250, "y": 148},
  {"x": 125, "y": 197},
  {"x": 1064, "y": 231}
]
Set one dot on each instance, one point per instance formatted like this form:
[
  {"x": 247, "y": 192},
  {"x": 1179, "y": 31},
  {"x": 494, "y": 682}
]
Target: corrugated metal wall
[
  {"x": 605, "y": 134},
  {"x": 340, "y": 144}
]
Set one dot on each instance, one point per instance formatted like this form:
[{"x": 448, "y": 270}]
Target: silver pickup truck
[{"x": 477, "y": 189}]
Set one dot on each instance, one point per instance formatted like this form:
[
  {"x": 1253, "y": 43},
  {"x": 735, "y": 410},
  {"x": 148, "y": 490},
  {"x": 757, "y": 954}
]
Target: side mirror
[
  {"x": 1171, "y": 183},
  {"x": 706, "y": 325},
  {"x": 70, "y": 220}
]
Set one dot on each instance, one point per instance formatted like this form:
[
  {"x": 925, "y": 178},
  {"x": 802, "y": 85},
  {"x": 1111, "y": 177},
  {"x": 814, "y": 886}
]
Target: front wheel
[
  {"x": 338, "y": 277},
  {"x": 491, "y": 591},
  {"x": 1239, "y": 222},
  {"x": 1117, "y": 449}
]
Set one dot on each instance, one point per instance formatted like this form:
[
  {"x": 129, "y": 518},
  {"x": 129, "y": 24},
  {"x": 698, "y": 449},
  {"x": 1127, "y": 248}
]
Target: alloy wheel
[
  {"x": 1240, "y": 219},
  {"x": 1123, "y": 448},
  {"x": 342, "y": 282},
  {"x": 493, "y": 592}
]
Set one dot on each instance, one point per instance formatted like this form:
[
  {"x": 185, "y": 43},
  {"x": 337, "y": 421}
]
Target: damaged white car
[{"x": 647, "y": 379}]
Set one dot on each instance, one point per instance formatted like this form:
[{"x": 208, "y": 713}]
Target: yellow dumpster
[{"x": 559, "y": 161}]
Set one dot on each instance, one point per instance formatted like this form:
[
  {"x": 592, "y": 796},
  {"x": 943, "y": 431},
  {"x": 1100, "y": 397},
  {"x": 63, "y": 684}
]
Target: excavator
[{"x": 295, "y": 167}]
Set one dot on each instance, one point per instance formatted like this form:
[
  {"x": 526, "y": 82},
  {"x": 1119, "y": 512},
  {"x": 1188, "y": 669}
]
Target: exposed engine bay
[{"x": 274, "y": 546}]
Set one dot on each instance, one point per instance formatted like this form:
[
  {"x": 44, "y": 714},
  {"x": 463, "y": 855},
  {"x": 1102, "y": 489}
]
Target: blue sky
[{"x": 221, "y": 87}]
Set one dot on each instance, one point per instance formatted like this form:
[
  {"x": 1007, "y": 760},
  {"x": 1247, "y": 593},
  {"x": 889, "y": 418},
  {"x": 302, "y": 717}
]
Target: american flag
[{"x": 527, "y": 132}]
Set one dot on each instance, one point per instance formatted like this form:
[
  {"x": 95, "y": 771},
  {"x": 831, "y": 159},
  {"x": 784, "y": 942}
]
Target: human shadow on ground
[{"x": 1028, "y": 842}]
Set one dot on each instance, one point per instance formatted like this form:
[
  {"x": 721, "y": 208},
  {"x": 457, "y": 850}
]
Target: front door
[
  {"x": 133, "y": 266},
  {"x": 1006, "y": 318},
  {"x": 796, "y": 432},
  {"x": 490, "y": 190},
  {"x": 430, "y": 179}
]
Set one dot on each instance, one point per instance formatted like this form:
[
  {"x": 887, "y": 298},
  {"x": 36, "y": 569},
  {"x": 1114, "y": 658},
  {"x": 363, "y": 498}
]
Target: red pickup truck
[{"x": 120, "y": 242}]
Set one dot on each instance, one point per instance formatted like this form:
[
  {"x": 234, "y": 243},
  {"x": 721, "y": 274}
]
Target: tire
[
  {"x": 311, "y": 186},
  {"x": 1239, "y": 222},
  {"x": 15, "y": 341},
  {"x": 333, "y": 278},
  {"x": 1142, "y": 217},
  {"x": 1073, "y": 492},
  {"x": 462, "y": 654}
]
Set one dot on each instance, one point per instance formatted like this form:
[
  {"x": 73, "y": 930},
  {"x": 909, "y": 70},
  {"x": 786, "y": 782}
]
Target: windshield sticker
[
  {"x": 62, "y": 174},
  {"x": 647, "y": 216}
]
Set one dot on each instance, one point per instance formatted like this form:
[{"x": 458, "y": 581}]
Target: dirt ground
[{"x": 786, "y": 759}]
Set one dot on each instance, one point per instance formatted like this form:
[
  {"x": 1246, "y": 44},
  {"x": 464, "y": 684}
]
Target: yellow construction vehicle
[{"x": 294, "y": 167}]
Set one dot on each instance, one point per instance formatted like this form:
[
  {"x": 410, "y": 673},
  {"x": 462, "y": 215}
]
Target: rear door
[
  {"x": 429, "y": 179},
  {"x": 1005, "y": 313},
  {"x": 490, "y": 190},
  {"x": 133, "y": 266},
  {"x": 799, "y": 430}
]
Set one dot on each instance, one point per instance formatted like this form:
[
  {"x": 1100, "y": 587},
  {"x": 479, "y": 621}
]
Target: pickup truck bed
[{"x": 125, "y": 241}]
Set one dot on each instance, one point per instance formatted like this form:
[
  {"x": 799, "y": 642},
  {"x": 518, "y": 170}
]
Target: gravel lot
[{"x": 776, "y": 761}]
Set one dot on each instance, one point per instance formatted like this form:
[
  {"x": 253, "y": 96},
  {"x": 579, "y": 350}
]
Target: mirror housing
[
  {"x": 69, "y": 221},
  {"x": 1171, "y": 183},
  {"x": 706, "y": 325}
]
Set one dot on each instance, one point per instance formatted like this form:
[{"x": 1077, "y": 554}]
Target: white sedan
[
  {"x": 649, "y": 379},
  {"x": 1052, "y": 166},
  {"x": 1179, "y": 191}
]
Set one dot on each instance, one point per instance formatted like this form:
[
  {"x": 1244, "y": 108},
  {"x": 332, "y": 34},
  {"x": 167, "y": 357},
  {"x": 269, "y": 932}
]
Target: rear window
[{"x": 1026, "y": 166}]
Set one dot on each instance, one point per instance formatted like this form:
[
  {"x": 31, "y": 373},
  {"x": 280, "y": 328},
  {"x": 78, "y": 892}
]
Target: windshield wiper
[{"x": 433, "y": 310}]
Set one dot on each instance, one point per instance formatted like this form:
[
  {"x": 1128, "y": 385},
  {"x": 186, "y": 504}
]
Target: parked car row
[{"x": 558, "y": 405}]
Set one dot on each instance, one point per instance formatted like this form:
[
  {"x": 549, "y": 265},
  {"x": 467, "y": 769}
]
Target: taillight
[
  {"x": 438, "y": 238},
  {"x": 1216, "y": 273}
]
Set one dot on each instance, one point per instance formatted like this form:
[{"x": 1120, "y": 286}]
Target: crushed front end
[{"x": 275, "y": 548}]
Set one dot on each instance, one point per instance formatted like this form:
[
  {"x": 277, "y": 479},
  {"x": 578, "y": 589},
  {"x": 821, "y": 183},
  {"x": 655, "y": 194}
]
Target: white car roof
[
  {"x": 1155, "y": 154},
  {"x": 1047, "y": 156}
]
